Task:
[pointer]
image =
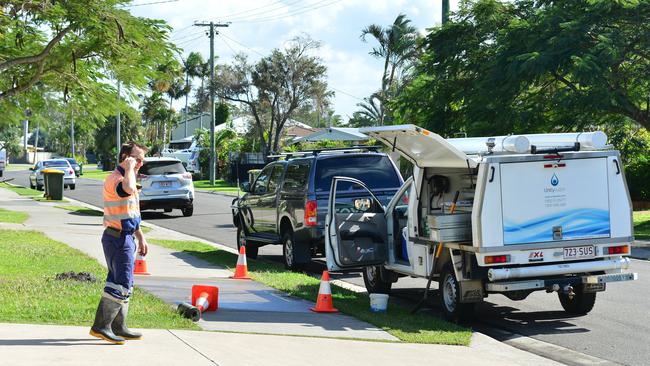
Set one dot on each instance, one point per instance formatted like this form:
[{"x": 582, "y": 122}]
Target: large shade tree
[
  {"x": 531, "y": 66},
  {"x": 274, "y": 88},
  {"x": 50, "y": 49}
]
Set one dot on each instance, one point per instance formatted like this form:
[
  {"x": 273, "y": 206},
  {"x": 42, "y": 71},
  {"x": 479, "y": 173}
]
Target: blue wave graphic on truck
[{"x": 576, "y": 224}]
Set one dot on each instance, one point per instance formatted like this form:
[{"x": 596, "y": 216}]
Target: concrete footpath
[{"x": 286, "y": 332}]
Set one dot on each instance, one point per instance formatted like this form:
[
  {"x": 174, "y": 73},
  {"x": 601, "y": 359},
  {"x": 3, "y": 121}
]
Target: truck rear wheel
[
  {"x": 581, "y": 304},
  {"x": 374, "y": 281},
  {"x": 449, "y": 289}
]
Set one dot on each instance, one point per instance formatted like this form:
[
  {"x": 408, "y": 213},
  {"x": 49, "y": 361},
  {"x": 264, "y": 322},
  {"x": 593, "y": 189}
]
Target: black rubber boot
[
  {"x": 119, "y": 324},
  {"x": 106, "y": 312}
]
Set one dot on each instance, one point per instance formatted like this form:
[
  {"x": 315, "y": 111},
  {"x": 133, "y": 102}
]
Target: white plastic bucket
[{"x": 378, "y": 302}]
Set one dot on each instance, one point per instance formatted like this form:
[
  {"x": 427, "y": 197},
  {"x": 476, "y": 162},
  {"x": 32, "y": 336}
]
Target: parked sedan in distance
[
  {"x": 74, "y": 165},
  {"x": 36, "y": 178},
  {"x": 166, "y": 185}
]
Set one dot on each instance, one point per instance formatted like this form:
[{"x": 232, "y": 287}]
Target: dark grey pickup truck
[{"x": 287, "y": 203}]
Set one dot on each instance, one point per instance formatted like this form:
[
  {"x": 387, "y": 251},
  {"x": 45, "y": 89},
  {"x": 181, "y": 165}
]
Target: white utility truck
[{"x": 502, "y": 215}]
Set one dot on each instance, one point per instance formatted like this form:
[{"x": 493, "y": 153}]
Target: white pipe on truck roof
[
  {"x": 591, "y": 140},
  {"x": 475, "y": 145},
  {"x": 521, "y": 144}
]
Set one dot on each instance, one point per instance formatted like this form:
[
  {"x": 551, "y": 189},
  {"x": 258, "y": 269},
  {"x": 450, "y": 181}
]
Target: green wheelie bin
[{"x": 53, "y": 184}]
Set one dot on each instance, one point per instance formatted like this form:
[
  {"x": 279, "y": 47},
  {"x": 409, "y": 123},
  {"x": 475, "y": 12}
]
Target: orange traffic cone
[
  {"x": 140, "y": 266},
  {"x": 241, "y": 271},
  {"x": 205, "y": 298},
  {"x": 324, "y": 301}
]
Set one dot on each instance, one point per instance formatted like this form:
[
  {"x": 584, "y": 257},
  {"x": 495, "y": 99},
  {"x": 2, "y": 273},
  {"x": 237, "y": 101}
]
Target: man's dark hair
[{"x": 126, "y": 149}]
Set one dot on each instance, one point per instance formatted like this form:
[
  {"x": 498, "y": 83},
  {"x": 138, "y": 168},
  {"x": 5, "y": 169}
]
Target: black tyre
[
  {"x": 449, "y": 290},
  {"x": 72, "y": 186},
  {"x": 252, "y": 248},
  {"x": 39, "y": 187},
  {"x": 188, "y": 211},
  {"x": 375, "y": 283},
  {"x": 32, "y": 186},
  {"x": 167, "y": 210},
  {"x": 581, "y": 304},
  {"x": 289, "y": 251}
]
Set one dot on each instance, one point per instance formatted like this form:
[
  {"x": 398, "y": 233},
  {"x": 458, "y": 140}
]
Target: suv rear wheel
[
  {"x": 251, "y": 248},
  {"x": 188, "y": 210},
  {"x": 289, "y": 251}
]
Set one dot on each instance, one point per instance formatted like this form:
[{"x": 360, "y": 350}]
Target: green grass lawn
[
  {"x": 31, "y": 294},
  {"x": 23, "y": 191},
  {"x": 80, "y": 210},
  {"x": 13, "y": 217},
  {"x": 642, "y": 225},
  {"x": 95, "y": 174},
  {"x": 16, "y": 167},
  {"x": 219, "y": 186},
  {"x": 398, "y": 321}
]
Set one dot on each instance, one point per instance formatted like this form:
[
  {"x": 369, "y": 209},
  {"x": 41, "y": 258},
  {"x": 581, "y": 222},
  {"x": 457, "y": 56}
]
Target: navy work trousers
[{"x": 120, "y": 258}]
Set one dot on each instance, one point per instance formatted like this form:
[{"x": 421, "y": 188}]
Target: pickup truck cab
[
  {"x": 505, "y": 215},
  {"x": 287, "y": 202}
]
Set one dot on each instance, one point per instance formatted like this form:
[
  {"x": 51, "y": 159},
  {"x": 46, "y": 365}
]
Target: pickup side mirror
[{"x": 246, "y": 187}]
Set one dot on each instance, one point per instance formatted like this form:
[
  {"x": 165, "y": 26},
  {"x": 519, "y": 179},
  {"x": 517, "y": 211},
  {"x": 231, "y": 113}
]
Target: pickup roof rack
[{"x": 315, "y": 152}]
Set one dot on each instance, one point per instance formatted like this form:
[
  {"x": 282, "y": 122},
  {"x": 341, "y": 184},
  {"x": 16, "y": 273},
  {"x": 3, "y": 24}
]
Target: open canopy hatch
[{"x": 423, "y": 148}]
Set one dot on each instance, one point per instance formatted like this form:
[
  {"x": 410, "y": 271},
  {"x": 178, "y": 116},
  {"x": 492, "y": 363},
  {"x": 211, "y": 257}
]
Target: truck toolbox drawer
[{"x": 451, "y": 227}]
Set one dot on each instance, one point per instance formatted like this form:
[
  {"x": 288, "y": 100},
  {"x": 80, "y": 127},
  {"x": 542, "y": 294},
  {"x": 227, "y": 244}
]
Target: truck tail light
[
  {"x": 492, "y": 259},
  {"x": 619, "y": 249},
  {"x": 311, "y": 213}
]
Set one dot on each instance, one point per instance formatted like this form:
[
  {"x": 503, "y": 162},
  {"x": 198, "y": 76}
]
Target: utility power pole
[
  {"x": 72, "y": 133},
  {"x": 213, "y": 159},
  {"x": 117, "y": 128},
  {"x": 445, "y": 11}
]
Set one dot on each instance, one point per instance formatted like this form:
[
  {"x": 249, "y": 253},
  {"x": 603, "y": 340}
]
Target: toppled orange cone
[
  {"x": 241, "y": 271},
  {"x": 324, "y": 302},
  {"x": 205, "y": 298},
  {"x": 140, "y": 266}
]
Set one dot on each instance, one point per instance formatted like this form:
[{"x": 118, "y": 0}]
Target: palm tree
[{"x": 397, "y": 47}]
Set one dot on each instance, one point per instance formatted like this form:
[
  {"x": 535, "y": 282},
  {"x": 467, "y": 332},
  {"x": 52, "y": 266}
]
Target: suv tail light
[
  {"x": 142, "y": 177},
  {"x": 311, "y": 213},
  {"x": 70, "y": 171},
  {"x": 187, "y": 175}
]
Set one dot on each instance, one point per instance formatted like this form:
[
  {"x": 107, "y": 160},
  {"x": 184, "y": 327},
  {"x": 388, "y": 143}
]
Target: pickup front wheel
[
  {"x": 251, "y": 248},
  {"x": 580, "y": 304},
  {"x": 374, "y": 281}
]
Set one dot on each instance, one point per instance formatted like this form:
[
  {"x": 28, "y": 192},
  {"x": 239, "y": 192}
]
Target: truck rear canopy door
[
  {"x": 545, "y": 201},
  {"x": 356, "y": 233},
  {"x": 423, "y": 148}
]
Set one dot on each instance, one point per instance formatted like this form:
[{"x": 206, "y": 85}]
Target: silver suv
[{"x": 166, "y": 185}]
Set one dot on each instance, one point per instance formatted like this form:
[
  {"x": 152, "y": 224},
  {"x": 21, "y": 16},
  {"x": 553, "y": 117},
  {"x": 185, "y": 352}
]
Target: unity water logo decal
[{"x": 554, "y": 180}]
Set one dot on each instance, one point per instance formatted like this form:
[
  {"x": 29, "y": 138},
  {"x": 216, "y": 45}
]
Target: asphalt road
[{"x": 618, "y": 329}]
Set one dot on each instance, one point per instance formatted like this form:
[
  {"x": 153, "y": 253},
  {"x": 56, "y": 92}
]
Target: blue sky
[{"x": 258, "y": 26}]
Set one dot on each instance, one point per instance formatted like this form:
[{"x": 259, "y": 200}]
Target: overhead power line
[
  {"x": 297, "y": 11},
  {"x": 150, "y": 3}
]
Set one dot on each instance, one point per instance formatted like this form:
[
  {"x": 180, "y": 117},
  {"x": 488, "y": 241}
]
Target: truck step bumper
[
  {"x": 547, "y": 284},
  {"x": 498, "y": 274}
]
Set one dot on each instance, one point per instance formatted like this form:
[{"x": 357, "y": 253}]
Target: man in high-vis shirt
[{"x": 122, "y": 224}]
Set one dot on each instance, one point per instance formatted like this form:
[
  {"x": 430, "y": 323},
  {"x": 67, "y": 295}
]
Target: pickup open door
[{"x": 356, "y": 231}]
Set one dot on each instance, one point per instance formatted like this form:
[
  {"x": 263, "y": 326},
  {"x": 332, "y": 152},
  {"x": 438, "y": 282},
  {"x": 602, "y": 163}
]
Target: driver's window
[{"x": 262, "y": 181}]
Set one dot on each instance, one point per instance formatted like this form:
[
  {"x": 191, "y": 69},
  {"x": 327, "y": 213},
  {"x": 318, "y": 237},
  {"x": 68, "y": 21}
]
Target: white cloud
[{"x": 258, "y": 26}]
